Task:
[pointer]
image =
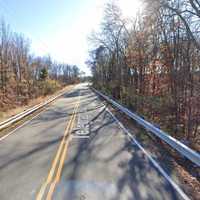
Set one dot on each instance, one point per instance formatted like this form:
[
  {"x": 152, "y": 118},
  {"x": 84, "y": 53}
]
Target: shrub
[{"x": 50, "y": 86}]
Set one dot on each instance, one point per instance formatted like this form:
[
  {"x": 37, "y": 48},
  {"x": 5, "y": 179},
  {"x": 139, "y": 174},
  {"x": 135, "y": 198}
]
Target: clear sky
[{"x": 59, "y": 28}]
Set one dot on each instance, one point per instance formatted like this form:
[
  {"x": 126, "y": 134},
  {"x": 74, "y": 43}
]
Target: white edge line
[
  {"x": 26, "y": 122},
  {"x": 80, "y": 136},
  {"x": 153, "y": 161},
  {"x": 29, "y": 111},
  {"x": 156, "y": 165},
  {"x": 183, "y": 149}
]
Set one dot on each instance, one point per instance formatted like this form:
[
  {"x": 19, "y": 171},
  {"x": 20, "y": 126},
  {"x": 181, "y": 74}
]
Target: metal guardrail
[
  {"x": 27, "y": 112},
  {"x": 174, "y": 143}
]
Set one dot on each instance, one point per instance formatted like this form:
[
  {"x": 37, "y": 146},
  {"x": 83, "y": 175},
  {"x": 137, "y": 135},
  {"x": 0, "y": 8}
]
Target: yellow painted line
[
  {"x": 60, "y": 148},
  {"x": 56, "y": 159},
  {"x": 51, "y": 172},
  {"x": 53, "y": 185},
  {"x": 61, "y": 164}
]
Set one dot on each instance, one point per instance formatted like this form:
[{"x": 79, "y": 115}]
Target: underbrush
[
  {"x": 21, "y": 94},
  {"x": 160, "y": 110},
  {"x": 49, "y": 87}
]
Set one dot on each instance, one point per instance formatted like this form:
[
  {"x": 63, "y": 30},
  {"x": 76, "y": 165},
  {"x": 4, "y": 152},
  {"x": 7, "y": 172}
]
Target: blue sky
[{"x": 58, "y": 27}]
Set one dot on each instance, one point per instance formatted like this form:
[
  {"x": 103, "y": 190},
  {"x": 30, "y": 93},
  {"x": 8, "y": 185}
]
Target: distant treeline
[
  {"x": 24, "y": 76},
  {"x": 152, "y": 63}
]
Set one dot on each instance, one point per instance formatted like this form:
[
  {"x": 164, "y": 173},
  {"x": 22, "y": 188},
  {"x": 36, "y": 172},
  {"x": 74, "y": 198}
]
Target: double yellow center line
[{"x": 58, "y": 162}]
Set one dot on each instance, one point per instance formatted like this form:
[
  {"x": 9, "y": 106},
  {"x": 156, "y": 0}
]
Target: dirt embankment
[
  {"x": 13, "y": 109},
  {"x": 181, "y": 170}
]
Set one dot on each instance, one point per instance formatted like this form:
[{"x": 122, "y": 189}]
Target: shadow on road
[
  {"x": 117, "y": 157},
  {"x": 107, "y": 156}
]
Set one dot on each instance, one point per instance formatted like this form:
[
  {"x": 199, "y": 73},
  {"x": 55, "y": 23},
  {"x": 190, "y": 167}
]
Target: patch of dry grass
[
  {"x": 31, "y": 103},
  {"x": 182, "y": 170}
]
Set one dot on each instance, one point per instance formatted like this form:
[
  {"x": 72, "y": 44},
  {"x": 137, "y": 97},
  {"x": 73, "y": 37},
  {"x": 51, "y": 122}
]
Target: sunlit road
[{"x": 76, "y": 151}]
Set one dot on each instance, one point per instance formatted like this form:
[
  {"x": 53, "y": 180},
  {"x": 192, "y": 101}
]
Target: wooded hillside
[
  {"x": 152, "y": 63},
  {"x": 24, "y": 76}
]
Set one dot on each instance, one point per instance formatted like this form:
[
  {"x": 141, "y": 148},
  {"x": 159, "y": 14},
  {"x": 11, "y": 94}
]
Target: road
[{"x": 75, "y": 150}]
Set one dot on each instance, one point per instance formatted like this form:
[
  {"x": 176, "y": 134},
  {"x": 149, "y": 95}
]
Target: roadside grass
[
  {"x": 1, "y": 115},
  {"x": 180, "y": 169},
  {"x": 7, "y": 130},
  {"x": 12, "y": 112},
  {"x": 7, "y": 114}
]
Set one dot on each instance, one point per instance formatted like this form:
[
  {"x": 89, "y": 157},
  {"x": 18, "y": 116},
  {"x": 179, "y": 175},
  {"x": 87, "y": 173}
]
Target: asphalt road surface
[{"x": 75, "y": 150}]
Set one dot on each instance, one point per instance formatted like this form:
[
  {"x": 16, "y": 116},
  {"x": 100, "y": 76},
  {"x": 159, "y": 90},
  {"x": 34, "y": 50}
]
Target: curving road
[{"x": 75, "y": 150}]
